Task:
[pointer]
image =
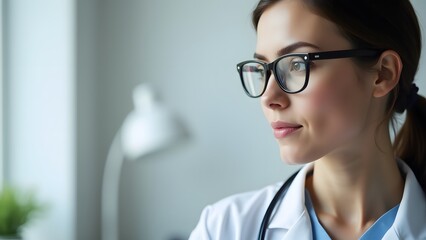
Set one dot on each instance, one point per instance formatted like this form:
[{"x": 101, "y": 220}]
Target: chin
[{"x": 293, "y": 158}]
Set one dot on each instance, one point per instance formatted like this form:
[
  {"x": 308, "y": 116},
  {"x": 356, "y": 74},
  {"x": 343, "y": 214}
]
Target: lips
[{"x": 283, "y": 129}]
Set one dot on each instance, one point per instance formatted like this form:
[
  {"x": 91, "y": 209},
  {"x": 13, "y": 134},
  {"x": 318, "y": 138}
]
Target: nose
[{"x": 274, "y": 97}]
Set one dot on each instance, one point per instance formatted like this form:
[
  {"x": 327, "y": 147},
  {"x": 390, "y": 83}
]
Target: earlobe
[{"x": 389, "y": 67}]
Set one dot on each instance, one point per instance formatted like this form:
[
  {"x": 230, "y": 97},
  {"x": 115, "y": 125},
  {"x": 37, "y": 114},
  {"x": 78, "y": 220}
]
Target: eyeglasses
[{"x": 291, "y": 70}]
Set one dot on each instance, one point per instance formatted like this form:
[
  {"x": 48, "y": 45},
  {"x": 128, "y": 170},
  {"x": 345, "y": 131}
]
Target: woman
[{"x": 331, "y": 76}]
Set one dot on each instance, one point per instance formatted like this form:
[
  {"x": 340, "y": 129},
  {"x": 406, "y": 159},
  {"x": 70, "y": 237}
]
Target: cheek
[
  {"x": 335, "y": 105},
  {"x": 329, "y": 100}
]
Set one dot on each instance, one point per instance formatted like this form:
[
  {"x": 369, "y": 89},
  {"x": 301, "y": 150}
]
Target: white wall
[
  {"x": 420, "y": 8},
  {"x": 89, "y": 164},
  {"x": 67, "y": 99},
  {"x": 1, "y": 98},
  {"x": 188, "y": 51},
  {"x": 40, "y": 110}
]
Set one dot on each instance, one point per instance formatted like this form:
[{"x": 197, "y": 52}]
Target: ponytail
[{"x": 410, "y": 142}]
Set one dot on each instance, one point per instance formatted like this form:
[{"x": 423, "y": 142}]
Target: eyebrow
[{"x": 288, "y": 49}]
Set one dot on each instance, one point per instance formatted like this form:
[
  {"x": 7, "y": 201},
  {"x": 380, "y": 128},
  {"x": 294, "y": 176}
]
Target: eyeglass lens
[
  {"x": 254, "y": 78},
  {"x": 291, "y": 73}
]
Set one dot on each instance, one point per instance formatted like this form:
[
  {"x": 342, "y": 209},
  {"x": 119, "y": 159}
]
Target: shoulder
[
  {"x": 243, "y": 204},
  {"x": 235, "y": 215},
  {"x": 239, "y": 216}
]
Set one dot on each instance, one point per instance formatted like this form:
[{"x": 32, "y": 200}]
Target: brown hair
[{"x": 384, "y": 24}]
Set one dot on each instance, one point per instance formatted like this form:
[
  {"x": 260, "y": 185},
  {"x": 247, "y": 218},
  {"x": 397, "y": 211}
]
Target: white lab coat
[{"x": 240, "y": 216}]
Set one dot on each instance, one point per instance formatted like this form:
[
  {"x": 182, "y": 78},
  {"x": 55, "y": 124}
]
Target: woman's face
[{"x": 331, "y": 115}]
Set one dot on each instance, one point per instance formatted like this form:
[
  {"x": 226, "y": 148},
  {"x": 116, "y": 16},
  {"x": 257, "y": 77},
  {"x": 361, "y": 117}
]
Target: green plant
[{"x": 15, "y": 210}]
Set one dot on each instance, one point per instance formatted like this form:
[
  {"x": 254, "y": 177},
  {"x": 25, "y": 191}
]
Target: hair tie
[{"x": 412, "y": 96}]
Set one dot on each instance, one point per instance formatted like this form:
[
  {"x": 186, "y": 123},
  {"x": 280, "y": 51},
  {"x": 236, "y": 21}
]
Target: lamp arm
[{"x": 110, "y": 189}]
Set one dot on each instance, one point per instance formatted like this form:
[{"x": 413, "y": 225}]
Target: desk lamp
[{"x": 149, "y": 128}]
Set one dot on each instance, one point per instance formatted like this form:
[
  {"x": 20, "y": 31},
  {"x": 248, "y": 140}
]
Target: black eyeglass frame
[{"x": 307, "y": 58}]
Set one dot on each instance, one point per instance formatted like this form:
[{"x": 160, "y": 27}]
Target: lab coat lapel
[
  {"x": 411, "y": 216},
  {"x": 301, "y": 229},
  {"x": 291, "y": 219}
]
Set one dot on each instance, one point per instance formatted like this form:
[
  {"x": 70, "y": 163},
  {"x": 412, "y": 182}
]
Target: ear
[{"x": 389, "y": 67}]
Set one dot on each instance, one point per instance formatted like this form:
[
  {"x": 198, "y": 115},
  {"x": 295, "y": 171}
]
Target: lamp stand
[{"x": 110, "y": 189}]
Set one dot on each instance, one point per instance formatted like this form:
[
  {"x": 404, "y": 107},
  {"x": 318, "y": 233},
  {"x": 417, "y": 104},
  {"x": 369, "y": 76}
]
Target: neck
[{"x": 353, "y": 190}]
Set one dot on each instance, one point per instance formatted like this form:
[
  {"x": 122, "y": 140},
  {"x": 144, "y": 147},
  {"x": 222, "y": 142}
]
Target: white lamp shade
[
  {"x": 146, "y": 133},
  {"x": 149, "y": 128}
]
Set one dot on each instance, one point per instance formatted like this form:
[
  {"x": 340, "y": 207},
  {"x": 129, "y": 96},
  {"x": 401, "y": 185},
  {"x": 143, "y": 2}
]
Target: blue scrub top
[{"x": 376, "y": 231}]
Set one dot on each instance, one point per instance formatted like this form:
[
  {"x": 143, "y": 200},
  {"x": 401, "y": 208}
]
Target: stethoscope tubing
[{"x": 278, "y": 196}]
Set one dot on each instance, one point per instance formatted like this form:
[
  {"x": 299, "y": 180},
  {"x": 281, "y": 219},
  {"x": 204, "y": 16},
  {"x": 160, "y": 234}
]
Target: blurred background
[{"x": 68, "y": 72}]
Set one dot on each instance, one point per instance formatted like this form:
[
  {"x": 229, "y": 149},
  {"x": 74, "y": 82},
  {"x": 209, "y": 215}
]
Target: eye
[
  {"x": 259, "y": 69},
  {"x": 256, "y": 68},
  {"x": 297, "y": 66}
]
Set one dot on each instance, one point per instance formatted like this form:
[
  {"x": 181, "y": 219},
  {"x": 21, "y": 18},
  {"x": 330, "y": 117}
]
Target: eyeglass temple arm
[{"x": 343, "y": 54}]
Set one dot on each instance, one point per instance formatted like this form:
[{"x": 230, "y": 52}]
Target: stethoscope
[{"x": 278, "y": 196}]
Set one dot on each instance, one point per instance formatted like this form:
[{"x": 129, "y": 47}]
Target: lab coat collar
[
  {"x": 290, "y": 217},
  {"x": 293, "y": 221},
  {"x": 411, "y": 216}
]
